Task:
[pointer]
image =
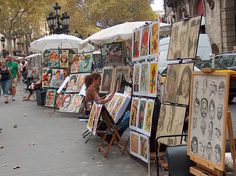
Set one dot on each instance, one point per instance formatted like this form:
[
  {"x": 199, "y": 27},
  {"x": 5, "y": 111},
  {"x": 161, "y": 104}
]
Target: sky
[{"x": 158, "y": 5}]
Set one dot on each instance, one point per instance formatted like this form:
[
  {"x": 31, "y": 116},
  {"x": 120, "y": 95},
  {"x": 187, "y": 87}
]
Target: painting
[
  {"x": 208, "y": 118},
  {"x": 144, "y": 147},
  {"x": 136, "y": 79},
  {"x": 134, "y": 112},
  {"x": 57, "y": 78},
  {"x": 59, "y": 99},
  {"x": 136, "y": 44},
  {"x": 114, "y": 52},
  {"x": 107, "y": 79},
  {"x": 141, "y": 113},
  {"x": 184, "y": 39},
  {"x": 148, "y": 117},
  {"x": 75, "y": 64},
  {"x": 64, "y": 59},
  {"x": 118, "y": 78},
  {"x": 91, "y": 118},
  {"x": 112, "y": 102},
  {"x": 86, "y": 63},
  {"x": 144, "y": 79},
  {"x": 54, "y": 59},
  {"x": 134, "y": 143},
  {"x": 180, "y": 75},
  {"x": 145, "y": 40},
  {"x": 153, "y": 75},
  {"x": 154, "y": 39},
  {"x": 96, "y": 118},
  {"x": 50, "y": 97},
  {"x": 46, "y": 77},
  {"x": 170, "y": 122},
  {"x": 71, "y": 103},
  {"x": 75, "y": 83},
  {"x": 66, "y": 102}
]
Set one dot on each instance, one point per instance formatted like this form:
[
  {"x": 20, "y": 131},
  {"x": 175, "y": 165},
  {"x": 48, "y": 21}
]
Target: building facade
[{"x": 220, "y": 19}]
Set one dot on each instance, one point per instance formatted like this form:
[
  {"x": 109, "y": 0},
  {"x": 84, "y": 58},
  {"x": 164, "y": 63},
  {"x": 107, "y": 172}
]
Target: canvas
[
  {"x": 57, "y": 78},
  {"x": 64, "y": 59},
  {"x": 148, "y": 117},
  {"x": 144, "y": 148},
  {"x": 134, "y": 112},
  {"x": 66, "y": 102},
  {"x": 134, "y": 143},
  {"x": 153, "y": 74},
  {"x": 118, "y": 78},
  {"x": 184, "y": 39},
  {"x": 136, "y": 44},
  {"x": 114, "y": 52},
  {"x": 208, "y": 114},
  {"x": 178, "y": 75},
  {"x": 96, "y": 118},
  {"x": 75, "y": 64},
  {"x": 91, "y": 118},
  {"x": 72, "y": 86},
  {"x": 46, "y": 77},
  {"x": 50, "y": 97},
  {"x": 154, "y": 39},
  {"x": 86, "y": 63},
  {"x": 54, "y": 59},
  {"x": 144, "y": 79},
  {"x": 141, "y": 113},
  {"x": 136, "y": 79},
  {"x": 170, "y": 122},
  {"x": 145, "y": 40},
  {"x": 59, "y": 99},
  {"x": 107, "y": 80},
  {"x": 112, "y": 103},
  {"x": 75, "y": 104}
]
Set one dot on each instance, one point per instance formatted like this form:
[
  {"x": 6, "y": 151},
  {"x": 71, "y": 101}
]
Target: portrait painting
[
  {"x": 86, "y": 63},
  {"x": 145, "y": 40},
  {"x": 136, "y": 44},
  {"x": 57, "y": 78},
  {"x": 114, "y": 52},
  {"x": 107, "y": 80},
  {"x": 136, "y": 79},
  {"x": 64, "y": 59},
  {"x": 153, "y": 74},
  {"x": 75, "y": 103},
  {"x": 75, "y": 63},
  {"x": 134, "y": 143},
  {"x": 59, "y": 99},
  {"x": 46, "y": 77},
  {"x": 66, "y": 102},
  {"x": 180, "y": 75},
  {"x": 144, "y": 147},
  {"x": 134, "y": 112},
  {"x": 154, "y": 39},
  {"x": 72, "y": 84},
  {"x": 208, "y": 118},
  {"x": 50, "y": 97},
  {"x": 170, "y": 122},
  {"x": 144, "y": 79},
  {"x": 91, "y": 117},
  {"x": 148, "y": 117},
  {"x": 54, "y": 59},
  {"x": 80, "y": 81}
]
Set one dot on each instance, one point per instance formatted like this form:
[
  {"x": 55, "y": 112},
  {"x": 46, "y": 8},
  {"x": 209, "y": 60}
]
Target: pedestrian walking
[
  {"x": 5, "y": 79},
  {"x": 13, "y": 66}
]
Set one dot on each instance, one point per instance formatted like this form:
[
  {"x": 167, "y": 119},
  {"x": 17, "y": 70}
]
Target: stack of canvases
[
  {"x": 145, "y": 73},
  {"x": 80, "y": 67},
  {"x": 175, "y": 100}
]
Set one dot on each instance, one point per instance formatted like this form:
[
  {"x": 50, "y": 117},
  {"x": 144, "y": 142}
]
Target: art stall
[{"x": 34, "y": 65}]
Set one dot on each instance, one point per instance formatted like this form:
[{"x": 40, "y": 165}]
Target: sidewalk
[{"x": 43, "y": 146}]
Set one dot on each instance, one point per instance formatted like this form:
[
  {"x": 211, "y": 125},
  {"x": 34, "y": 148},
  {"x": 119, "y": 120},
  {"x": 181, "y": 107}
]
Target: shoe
[
  {"x": 6, "y": 102},
  {"x": 13, "y": 99}
]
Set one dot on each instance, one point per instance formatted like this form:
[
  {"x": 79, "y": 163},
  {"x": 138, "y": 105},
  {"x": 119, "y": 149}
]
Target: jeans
[{"x": 5, "y": 87}]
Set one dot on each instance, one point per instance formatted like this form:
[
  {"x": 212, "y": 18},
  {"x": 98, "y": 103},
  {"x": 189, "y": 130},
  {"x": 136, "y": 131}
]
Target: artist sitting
[{"x": 32, "y": 88}]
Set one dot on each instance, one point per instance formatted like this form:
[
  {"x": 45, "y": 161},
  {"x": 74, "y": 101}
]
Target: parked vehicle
[{"x": 227, "y": 59}]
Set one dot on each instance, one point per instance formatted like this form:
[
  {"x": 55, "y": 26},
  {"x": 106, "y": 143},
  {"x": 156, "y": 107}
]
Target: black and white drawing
[
  {"x": 209, "y": 151},
  {"x": 221, "y": 89},
  {"x": 213, "y": 88},
  {"x": 217, "y": 153},
  {"x": 210, "y": 130},
  {"x": 194, "y": 145},
  {"x": 212, "y": 109},
  {"x": 196, "y": 106},
  {"x": 194, "y": 122},
  {"x": 219, "y": 111},
  {"x": 204, "y": 107}
]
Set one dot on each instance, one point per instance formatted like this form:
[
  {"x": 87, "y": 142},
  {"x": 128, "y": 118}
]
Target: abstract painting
[
  {"x": 50, "y": 97},
  {"x": 145, "y": 41},
  {"x": 54, "y": 59},
  {"x": 86, "y": 63},
  {"x": 153, "y": 74},
  {"x": 208, "y": 116},
  {"x": 46, "y": 77},
  {"x": 144, "y": 79},
  {"x": 64, "y": 59},
  {"x": 154, "y": 39},
  {"x": 107, "y": 79},
  {"x": 136, "y": 79},
  {"x": 75, "y": 64},
  {"x": 136, "y": 46},
  {"x": 57, "y": 78},
  {"x": 170, "y": 122}
]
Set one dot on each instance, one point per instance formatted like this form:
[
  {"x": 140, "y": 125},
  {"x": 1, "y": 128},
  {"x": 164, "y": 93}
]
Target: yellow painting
[
  {"x": 117, "y": 106},
  {"x": 134, "y": 143},
  {"x": 144, "y": 147},
  {"x": 91, "y": 118},
  {"x": 148, "y": 116},
  {"x": 153, "y": 79},
  {"x": 154, "y": 40}
]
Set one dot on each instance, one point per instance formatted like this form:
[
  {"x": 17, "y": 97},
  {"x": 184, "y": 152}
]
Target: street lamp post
[{"x": 58, "y": 23}]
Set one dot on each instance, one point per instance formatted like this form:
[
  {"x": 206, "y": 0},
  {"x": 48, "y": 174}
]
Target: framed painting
[
  {"x": 66, "y": 102},
  {"x": 75, "y": 63},
  {"x": 64, "y": 59},
  {"x": 144, "y": 79},
  {"x": 136, "y": 44},
  {"x": 107, "y": 79},
  {"x": 57, "y": 78},
  {"x": 170, "y": 122},
  {"x": 59, "y": 99},
  {"x": 136, "y": 79},
  {"x": 153, "y": 82},
  {"x": 46, "y": 77},
  {"x": 144, "y": 148},
  {"x": 54, "y": 59},
  {"x": 134, "y": 112},
  {"x": 180, "y": 75},
  {"x": 114, "y": 52},
  {"x": 86, "y": 63},
  {"x": 50, "y": 98},
  {"x": 154, "y": 39},
  {"x": 148, "y": 117},
  {"x": 208, "y": 119},
  {"x": 134, "y": 143},
  {"x": 145, "y": 41},
  {"x": 184, "y": 39}
]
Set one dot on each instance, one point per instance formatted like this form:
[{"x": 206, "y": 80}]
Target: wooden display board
[{"x": 208, "y": 118}]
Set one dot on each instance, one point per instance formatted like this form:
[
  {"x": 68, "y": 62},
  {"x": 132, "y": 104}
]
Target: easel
[{"x": 202, "y": 170}]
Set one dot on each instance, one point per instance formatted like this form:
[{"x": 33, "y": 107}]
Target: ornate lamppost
[{"x": 58, "y": 23}]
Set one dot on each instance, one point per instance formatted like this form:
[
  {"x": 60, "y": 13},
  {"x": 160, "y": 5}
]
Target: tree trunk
[{"x": 9, "y": 46}]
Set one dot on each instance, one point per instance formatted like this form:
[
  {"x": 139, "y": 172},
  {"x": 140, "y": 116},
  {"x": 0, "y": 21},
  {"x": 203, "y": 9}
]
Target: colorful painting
[
  {"x": 136, "y": 79},
  {"x": 144, "y": 148},
  {"x": 76, "y": 82},
  {"x": 57, "y": 78},
  {"x": 50, "y": 97},
  {"x": 54, "y": 59},
  {"x": 114, "y": 52},
  {"x": 66, "y": 102},
  {"x": 86, "y": 63},
  {"x": 178, "y": 75},
  {"x": 208, "y": 118},
  {"x": 96, "y": 118},
  {"x": 170, "y": 122},
  {"x": 141, "y": 113},
  {"x": 153, "y": 74},
  {"x": 154, "y": 39},
  {"x": 59, "y": 99},
  {"x": 134, "y": 112},
  {"x": 112, "y": 103},
  {"x": 75, "y": 64},
  {"x": 118, "y": 78},
  {"x": 64, "y": 59},
  {"x": 46, "y": 77},
  {"x": 91, "y": 118},
  {"x": 148, "y": 117},
  {"x": 145, "y": 41},
  {"x": 75, "y": 104},
  {"x": 136, "y": 44},
  {"x": 134, "y": 143},
  {"x": 144, "y": 79},
  {"x": 107, "y": 80}
]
